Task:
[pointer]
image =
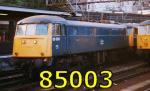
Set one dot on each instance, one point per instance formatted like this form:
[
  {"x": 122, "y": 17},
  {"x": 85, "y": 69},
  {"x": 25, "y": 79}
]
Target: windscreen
[
  {"x": 32, "y": 29},
  {"x": 143, "y": 30}
]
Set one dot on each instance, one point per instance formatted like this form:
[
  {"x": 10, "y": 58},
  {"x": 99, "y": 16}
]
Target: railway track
[
  {"x": 131, "y": 72},
  {"x": 10, "y": 78},
  {"x": 9, "y": 74},
  {"x": 120, "y": 73}
]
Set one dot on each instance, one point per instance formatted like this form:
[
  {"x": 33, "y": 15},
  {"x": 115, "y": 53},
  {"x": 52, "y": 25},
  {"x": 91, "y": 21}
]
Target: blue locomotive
[{"x": 54, "y": 38}]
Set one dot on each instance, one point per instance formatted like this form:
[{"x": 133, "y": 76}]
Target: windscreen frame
[{"x": 35, "y": 31}]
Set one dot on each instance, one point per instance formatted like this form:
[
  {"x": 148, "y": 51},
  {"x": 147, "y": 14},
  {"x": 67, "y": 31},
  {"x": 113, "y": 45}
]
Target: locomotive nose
[{"x": 31, "y": 47}]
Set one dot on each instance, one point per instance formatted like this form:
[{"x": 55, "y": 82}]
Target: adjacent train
[
  {"x": 55, "y": 39},
  {"x": 143, "y": 36}
]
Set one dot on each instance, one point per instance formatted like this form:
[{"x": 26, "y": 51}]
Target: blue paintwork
[
  {"x": 59, "y": 47},
  {"x": 82, "y": 41}
]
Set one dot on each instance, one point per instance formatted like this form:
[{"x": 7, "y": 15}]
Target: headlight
[
  {"x": 23, "y": 42},
  {"x": 35, "y": 42}
]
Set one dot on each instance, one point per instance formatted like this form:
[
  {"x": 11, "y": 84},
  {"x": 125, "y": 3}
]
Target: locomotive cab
[
  {"x": 33, "y": 40},
  {"x": 39, "y": 36}
]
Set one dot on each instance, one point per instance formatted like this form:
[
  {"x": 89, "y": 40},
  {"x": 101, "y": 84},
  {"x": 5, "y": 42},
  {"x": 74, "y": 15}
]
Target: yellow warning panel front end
[
  {"x": 35, "y": 46},
  {"x": 143, "y": 41}
]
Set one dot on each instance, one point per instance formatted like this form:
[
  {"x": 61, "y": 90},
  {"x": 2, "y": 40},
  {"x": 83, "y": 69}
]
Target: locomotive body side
[{"x": 94, "y": 37}]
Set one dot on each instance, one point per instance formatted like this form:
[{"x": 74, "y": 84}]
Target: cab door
[
  {"x": 63, "y": 39},
  {"x": 59, "y": 39},
  {"x": 135, "y": 33}
]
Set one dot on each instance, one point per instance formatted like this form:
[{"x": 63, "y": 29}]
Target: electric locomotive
[{"x": 55, "y": 39}]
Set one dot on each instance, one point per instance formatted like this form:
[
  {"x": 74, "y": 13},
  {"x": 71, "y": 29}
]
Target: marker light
[
  {"x": 42, "y": 54},
  {"x": 16, "y": 53}
]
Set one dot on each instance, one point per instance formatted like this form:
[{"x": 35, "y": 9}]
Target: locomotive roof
[
  {"x": 42, "y": 19},
  {"x": 147, "y": 22},
  {"x": 93, "y": 24},
  {"x": 57, "y": 19}
]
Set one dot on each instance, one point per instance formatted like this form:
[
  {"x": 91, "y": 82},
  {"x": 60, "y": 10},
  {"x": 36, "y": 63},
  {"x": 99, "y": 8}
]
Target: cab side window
[
  {"x": 58, "y": 29},
  {"x": 148, "y": 29},
  {"x": 135, "y": 31}
]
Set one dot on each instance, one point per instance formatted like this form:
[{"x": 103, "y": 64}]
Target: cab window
[
  {"x": 58, "y": 29},
  {"x": 135, "y": 32},
  {"x": 142, "y": 30},
  {"x": 31, "y": 29},
  {"x": 21, "y": 30},
  {"x": 42, "y": 29}
]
